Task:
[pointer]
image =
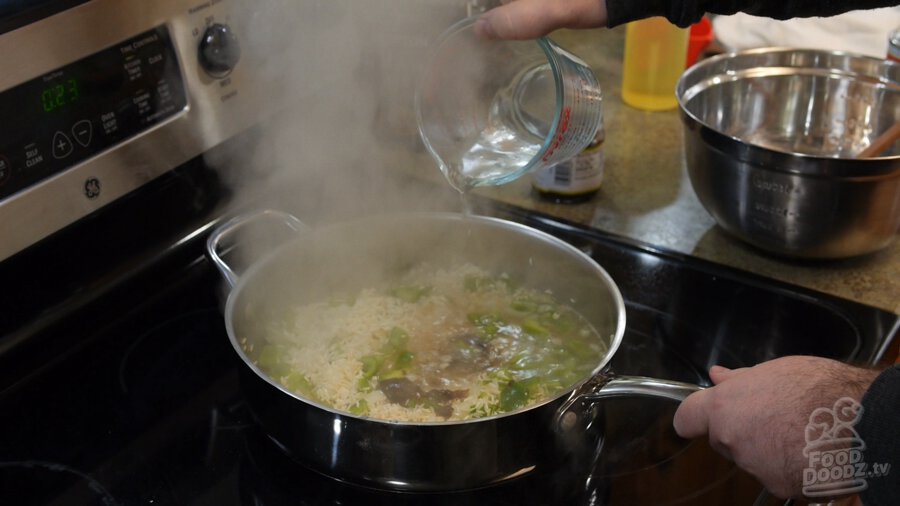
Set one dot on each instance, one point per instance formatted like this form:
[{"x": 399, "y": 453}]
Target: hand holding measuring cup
[{"x": 490, "y": 111}]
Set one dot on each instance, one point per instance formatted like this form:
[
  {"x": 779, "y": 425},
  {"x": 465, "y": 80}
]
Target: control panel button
[
  {"x": 82, "y": 132},
  {"x": 5, "y": 169},
  {"x": 62, "y": 146},
  {"x": 219, "y": 50},
  {"x": 33, "y": 156}
]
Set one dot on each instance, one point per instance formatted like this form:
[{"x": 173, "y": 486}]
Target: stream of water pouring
[{"x": 466, "y": 204}]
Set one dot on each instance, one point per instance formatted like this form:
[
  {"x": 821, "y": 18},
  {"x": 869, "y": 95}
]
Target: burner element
[{"x": 28, "y": 482}]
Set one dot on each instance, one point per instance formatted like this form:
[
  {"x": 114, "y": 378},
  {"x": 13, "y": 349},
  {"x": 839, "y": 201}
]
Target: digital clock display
[{"x": 60, "y": 95}]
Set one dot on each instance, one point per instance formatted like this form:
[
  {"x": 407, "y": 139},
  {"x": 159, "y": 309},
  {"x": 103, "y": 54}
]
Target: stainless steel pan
[{"x": 433, "y": 456}]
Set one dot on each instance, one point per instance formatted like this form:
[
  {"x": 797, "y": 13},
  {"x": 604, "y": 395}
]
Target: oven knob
[{"x": 219, "y": 50}]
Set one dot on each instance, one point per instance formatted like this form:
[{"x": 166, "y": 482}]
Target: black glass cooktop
[
  {"x": 151, "y": 412},
  {"x": 132, "y": 395}
]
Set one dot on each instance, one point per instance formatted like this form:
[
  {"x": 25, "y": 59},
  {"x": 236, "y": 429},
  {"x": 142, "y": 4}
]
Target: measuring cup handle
[{"x": 228, "y": 228}]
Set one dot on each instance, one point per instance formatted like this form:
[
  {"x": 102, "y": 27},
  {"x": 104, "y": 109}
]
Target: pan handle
[
  {"x": 607, "y": 385},
  {"x": 213, "y": 243},
  {"x": 630, "y": 386}
]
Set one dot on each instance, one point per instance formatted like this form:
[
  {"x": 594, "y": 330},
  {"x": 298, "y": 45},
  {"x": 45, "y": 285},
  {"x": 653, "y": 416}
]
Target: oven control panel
[
  {"x": 100, "y": 98},
  {"x": 74, "y": 112}
]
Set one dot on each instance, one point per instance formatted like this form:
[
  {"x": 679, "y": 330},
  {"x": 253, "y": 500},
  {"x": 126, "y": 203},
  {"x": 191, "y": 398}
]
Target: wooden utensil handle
[{"x": 881, "y": 143}]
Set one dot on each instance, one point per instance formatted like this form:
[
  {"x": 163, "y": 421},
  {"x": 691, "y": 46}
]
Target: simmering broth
[{"x": 437, "y": 344}]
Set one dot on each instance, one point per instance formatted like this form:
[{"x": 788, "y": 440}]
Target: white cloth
[{"x": 863, "y": 32}]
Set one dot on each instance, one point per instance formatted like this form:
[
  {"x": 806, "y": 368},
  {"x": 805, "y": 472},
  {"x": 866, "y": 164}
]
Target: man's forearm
[{"x": 686, "y": 12}]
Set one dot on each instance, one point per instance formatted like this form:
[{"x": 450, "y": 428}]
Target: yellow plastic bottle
[{"x": 655, "y": 52}]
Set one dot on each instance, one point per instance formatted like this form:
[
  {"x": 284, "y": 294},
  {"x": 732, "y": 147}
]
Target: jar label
[{"x": 580, "y": 174}]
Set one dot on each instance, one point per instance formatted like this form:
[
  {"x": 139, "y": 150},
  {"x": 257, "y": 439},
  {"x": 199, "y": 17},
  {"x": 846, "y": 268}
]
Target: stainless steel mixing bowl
[{"x": 771, "y": 137}]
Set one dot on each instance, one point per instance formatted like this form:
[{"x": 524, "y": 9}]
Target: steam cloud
[{"x": 342, "y": 76}]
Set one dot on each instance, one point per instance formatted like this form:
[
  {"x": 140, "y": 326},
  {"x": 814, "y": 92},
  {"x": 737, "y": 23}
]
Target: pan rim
[{"x": 616, "y": 296}]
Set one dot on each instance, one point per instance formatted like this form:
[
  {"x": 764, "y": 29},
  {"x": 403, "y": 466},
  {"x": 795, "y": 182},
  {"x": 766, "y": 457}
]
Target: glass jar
[{"x": 576, "y": 179}]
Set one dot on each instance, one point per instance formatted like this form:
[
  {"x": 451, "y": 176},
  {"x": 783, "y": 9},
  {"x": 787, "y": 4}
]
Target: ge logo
[{"x": 92, "y": 188}]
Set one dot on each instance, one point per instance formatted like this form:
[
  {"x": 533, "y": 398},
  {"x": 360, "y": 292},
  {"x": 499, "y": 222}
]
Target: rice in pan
[{"x": 439, "y": 344}]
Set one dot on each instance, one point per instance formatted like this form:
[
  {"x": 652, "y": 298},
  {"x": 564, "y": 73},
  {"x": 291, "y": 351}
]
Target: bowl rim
[{"x": 689, "y": 86}]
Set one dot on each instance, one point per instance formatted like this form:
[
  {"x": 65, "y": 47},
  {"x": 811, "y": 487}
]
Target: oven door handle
[{"x": 214, "y": 244}]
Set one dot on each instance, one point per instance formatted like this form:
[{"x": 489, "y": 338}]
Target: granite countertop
[{"x": 646, "y": 195}]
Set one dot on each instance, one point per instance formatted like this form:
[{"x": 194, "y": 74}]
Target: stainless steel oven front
[{"x": 103, "y": 96}]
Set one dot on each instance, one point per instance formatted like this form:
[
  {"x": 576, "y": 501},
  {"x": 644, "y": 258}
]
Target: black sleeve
[
  {"x": 879, "y": 429},
  {"x": 685, "y": 12}
]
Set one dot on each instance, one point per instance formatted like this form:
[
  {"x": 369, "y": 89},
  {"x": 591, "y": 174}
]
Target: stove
[
  {"x": 123, "y": 387},
  {"x": 118, "y": 384}
]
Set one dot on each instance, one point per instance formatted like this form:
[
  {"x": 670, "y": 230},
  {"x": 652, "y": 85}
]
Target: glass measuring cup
[{"x": 490, "y": 111}]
